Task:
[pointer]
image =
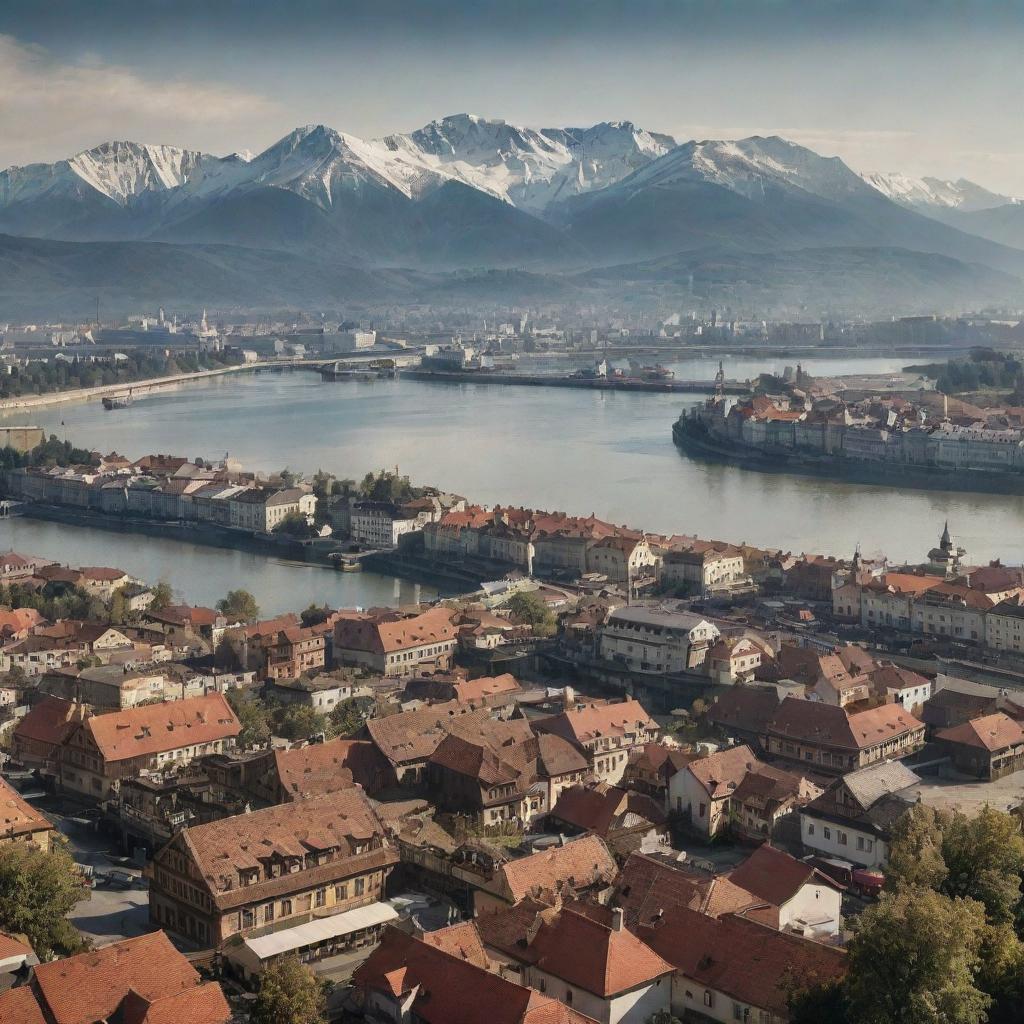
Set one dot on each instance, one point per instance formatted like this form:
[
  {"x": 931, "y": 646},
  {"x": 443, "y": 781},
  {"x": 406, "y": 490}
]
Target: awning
[{"x": 314, "y": 932}]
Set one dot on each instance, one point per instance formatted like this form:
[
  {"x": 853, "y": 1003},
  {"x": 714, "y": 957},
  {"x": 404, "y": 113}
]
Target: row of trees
[
  {"x": 49, "y": 452},
  {"x": 40, "y": 378},
  {"x": 943, "y": 944}
]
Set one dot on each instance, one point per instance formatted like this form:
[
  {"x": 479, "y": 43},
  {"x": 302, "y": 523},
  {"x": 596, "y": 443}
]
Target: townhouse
[
  {"x": 853, "y": 818},
  {"x": 100, "y": 750},
  {"x": 277, "y": 867},
  {"x": 606, "y": 734},
  {"x": 988, "y": 747},
  {"x": 20, "y": 822},
  {"x": 294, "y": 651},
  {"x": 656, "y": 640},
  {"x": 393, "y": 644},
  {"x": 702, "y": 567}
]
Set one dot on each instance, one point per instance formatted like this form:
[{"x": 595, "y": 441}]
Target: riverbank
[
  {"x": 540, "y": 380},
  {"x": 690, "y": 437}
]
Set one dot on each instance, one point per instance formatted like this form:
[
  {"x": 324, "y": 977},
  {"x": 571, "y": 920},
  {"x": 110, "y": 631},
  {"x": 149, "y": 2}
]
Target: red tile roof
[
  {"x": 597, "y": 807},
  {"x": 574, "y": 945},
  {"x": 775, "y": 876},
  {"x": 90, "y": 987},
  {"x": 50, "y": 721},
  {"x": 816, "y": 722},
  {"x": 325, "y": 767},
  {"x": 460, "y": 940},
  {"x": 594, "y": 721},
  {"x": 648, "y": 888},
  {"x": 17, "y": 816},
  {"x": 19, "y": 1006},
  {"x": 581, "y": 863},
  {"x": 992, "y": 733},
  {"x": 447, "y": 989},
  {"x": 155, "y": 728},
  {"x": 744, "y": 960},
  {"x": 485, "y": 686},
  {"x": 720, "y": 773}
]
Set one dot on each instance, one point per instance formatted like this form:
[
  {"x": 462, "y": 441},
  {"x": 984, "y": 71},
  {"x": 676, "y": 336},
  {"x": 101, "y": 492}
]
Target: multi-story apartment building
[
  {"x": 655, "y": 639},
  {"x": 607, "y": 734},
  {"x": 394, "y": 644},
  {"x": 284, "y": 865},
  {"x": 100, "y": 750}
]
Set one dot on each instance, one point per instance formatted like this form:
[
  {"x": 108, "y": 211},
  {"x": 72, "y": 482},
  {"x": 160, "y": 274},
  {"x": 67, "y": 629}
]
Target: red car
[{"x": 860, "y": 881}]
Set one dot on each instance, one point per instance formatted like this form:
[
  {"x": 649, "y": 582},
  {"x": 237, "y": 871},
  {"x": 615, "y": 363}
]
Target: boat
[
  {"x": 651, "y": 373},
  {"x": 111, "y": 402}
]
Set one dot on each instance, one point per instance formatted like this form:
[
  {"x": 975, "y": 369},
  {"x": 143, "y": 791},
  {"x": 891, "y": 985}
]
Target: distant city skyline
[{"x": 922, "y": 88}]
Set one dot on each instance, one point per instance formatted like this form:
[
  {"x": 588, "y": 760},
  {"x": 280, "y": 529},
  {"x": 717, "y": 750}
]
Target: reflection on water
[{"x": 581, "y": 451}]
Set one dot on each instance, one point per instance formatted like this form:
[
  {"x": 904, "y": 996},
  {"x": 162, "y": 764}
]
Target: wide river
[{"x": 577, "y": 450}]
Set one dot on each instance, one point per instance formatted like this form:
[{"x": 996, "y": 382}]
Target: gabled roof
[
  {"x": 485, "y": 686},
  {"x": 647, "y": 888},
  {"x": 414, "y": 735},
  {"x": 580, "y": 864},
  {"x": 992, "y": 733},
  {"x": 91, "y": 986},
  {"x": 155, "y": 728},
  {"x": 597, "y": 721},
  {"x": 573, "y": 944},
  {"x": 815, "y": 722},
  {"x": 17, "y": 816},
  {"x": 460, "y": 940},
  {"x": 448, "y": 989},
  {"x": 325, "y": 767},
  {"x": 339, "y": 821},
  {"x": 50, "y": 721},
  {"x": 19, "y": 1006},
  {"x": 775, "y": 877},
  {"x": 877, "y": 780},
  {"x": 598, "y": 807},
  {"x": 720, "y": 773},
  {"x": 745, "y": 960},
  {"x": 747, "y": 708}
]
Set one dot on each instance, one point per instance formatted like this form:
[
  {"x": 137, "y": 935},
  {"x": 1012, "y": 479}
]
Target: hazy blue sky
[{"x": 922, "y": 87}]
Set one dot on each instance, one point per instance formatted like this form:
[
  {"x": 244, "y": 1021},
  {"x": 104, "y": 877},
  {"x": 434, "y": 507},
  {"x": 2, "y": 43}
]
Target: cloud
[{"x": 52, "y": 108}]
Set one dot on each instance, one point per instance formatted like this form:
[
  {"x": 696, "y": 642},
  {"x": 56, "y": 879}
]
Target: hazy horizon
[{"x": 925, "y": 89}]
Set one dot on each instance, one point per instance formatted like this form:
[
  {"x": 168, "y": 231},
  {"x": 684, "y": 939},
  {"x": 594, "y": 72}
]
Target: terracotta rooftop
[
  {"x": 598, "y": 807},
  {"x": 484, "y": 686},
  {"x": 335, "y": 821},
  {"x": 387, "y": 632},
  {"x": 92, "y": 986},
  {"x": 572, "y": 944},
  {"x": 460, "y": 940},
  {"x": 816, "y": 722},
  {"x": 647, "y": 888},
  {"x": 720, "y": 773},
  {"x": 17, "y": 816},
  {"x": 413, "y": 736},
  {"x": 154, "y": 728},
  {"x": 992, "y": 733},
  {"x": 580, "y": 864},
  {"x": 325, "y": 767},
  {"x": 19, "y": 1006},
  {"x": 49, "y": 722},
  {"x": 598, "y": 721},
  {"x": 775, "y": 877},
  {"x": 447, "y": 989},
  {"x": 746, "y": 961}
]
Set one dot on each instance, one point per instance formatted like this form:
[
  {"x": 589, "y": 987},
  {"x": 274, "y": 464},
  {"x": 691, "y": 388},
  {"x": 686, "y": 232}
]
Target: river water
[{"x": 581, "y": 451}]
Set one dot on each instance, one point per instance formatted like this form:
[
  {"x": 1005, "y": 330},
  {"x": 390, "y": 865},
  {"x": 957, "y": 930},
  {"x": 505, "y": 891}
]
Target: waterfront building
[
  {"x": 952, "y": 610},
  {"x": 284, "y": 865},
  {"x": 701, "y": 567},
  {"x": 1004, "y": 626},
  {"x": 946, "y": 559}
]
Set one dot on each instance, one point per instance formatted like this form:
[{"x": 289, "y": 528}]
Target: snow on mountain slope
[
  {"x": 935, "y": 192},
  {"x": 531, "y": 168},
  {"x": 749, "y": 167},
  {"x": 120, "y": 171}
]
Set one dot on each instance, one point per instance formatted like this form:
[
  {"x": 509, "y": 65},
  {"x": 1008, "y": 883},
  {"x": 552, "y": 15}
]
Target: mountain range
[{"x": 467, "y": 194}]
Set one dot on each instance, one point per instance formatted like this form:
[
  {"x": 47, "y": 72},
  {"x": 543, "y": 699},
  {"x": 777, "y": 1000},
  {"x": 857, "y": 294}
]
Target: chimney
[{"x": 618, "y": 917}]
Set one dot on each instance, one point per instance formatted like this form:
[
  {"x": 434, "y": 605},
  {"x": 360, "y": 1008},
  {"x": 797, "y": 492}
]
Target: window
[
  {"x": 810, "y": 828},
  {"x": 286, "y": 907},
  {"x": 320, "y": 897},
  {"x": 248, "y": 918},
  {"x": 827, "y": 833},
  {"x": 709, "y": 997},
  {"x": 341, "y": 891},
  {"x": 568, "y": 997},
  {"x": 737, "y": 1011},
  {"x": 842, "y": 838},
  {"x": 360, "y": 886}
]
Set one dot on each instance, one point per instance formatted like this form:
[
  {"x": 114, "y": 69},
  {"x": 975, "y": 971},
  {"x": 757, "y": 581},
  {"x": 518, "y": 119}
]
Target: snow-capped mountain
[
  {"x": 120, "y": 171},
  {"x": 530, "y": 168},
  {"x": 749, "y": 167},
  {"x": 922, "y": 193}
]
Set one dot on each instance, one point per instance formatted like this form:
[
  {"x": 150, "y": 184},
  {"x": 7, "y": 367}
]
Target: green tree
[
  {"x": 118, "y": 609},
  {"x": 347, "y": 717},
  {"x": 289, "y": 994},
  {"x": 239, "y": 606},
  {"x": 162, "y": 596},
  {"x": 913, "y": 960},
  {"x": 253, "y": 717},
  {"x": 814, "y": 1002},
  {"x": 299, "y": 722},
  {"x": 37, "y": 892},
  {"x": 314, "y": 615},
  {"x": 915, "y": 851},
  {"x": 294, "y": 524},
  {"x": 979, "y": 857},
  {"x": 531, "y": 609}
]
